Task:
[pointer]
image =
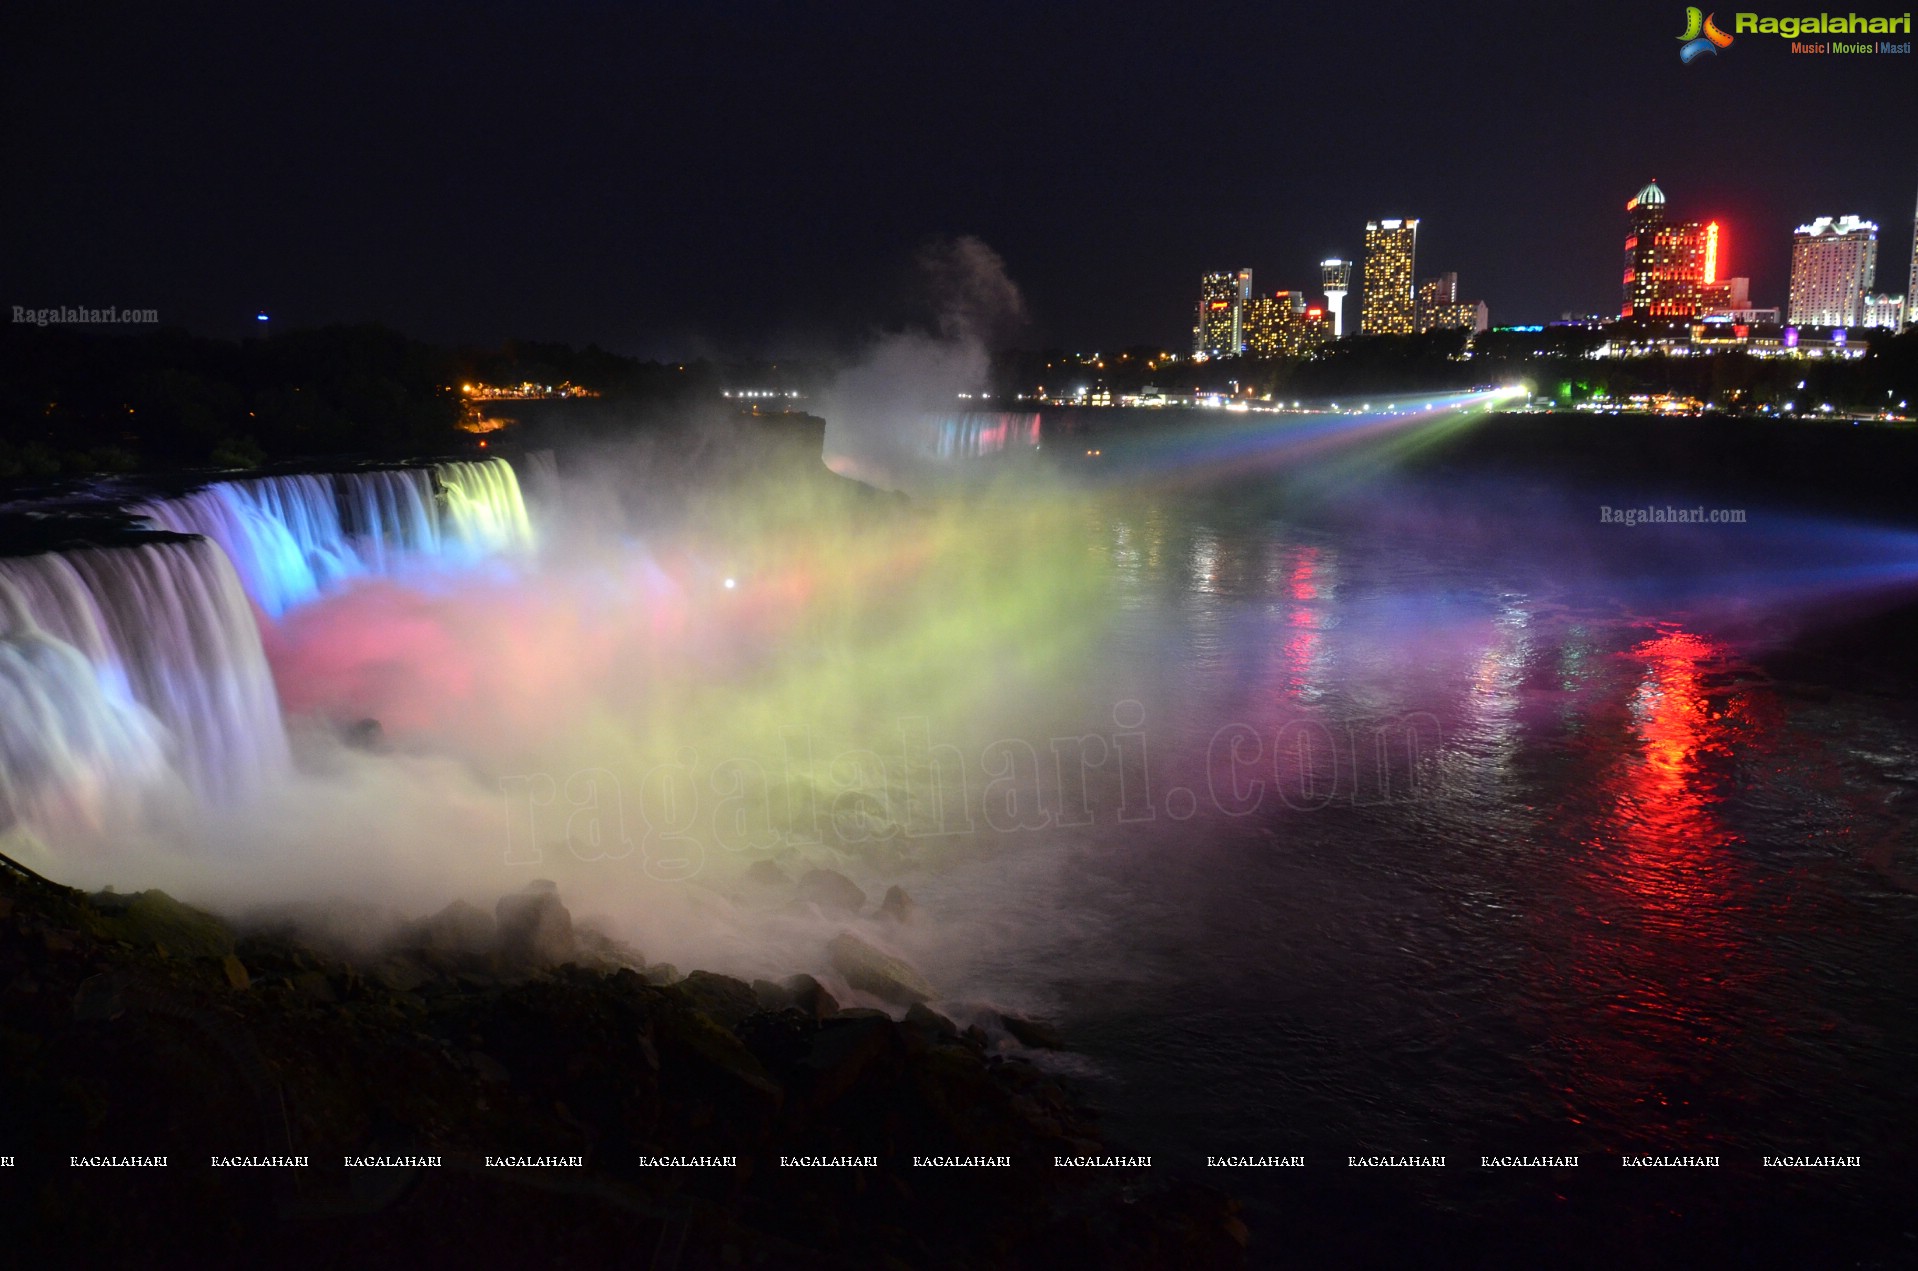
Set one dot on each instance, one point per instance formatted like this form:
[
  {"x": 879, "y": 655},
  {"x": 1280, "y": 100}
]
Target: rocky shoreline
[{"x": 511, "y": 1088}]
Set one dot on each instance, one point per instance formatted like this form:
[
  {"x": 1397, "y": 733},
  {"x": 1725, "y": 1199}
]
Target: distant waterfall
[
  {"x": 976, "y": 433},
  {"x": 117, "y": 664},
  {"x": 292, "y": 538}
]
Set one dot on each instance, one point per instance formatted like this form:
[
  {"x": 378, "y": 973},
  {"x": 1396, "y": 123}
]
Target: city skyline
[{"x": 626, "y": 178}]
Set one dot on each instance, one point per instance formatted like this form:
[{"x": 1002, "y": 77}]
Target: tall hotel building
[
  {"x": 1833, "y": 263},
  {"x": 1221, "y": 327},
  {"x": 1669, "y": 266},
  {"x": 1911, "y": 288},
  {"x": 1283, "y": 325},
  {"x": 1387, "y": 305}
]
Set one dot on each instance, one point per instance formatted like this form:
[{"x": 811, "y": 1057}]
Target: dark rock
[
  {"x": 154, "y": 920},
  {"x": 898, "y": 905},
  {"x": 1036, "y": 1033},
  {"x": 459, "y": 928},
  {"x": 488, "y": 1069},
  {"x": 604, "y": 952},
  {"x": 810, "y": 996},
  {"x": 722, "y": 997},
  {"x": 716, "y": 1068},
  {"x": 772, "y": 997},
  {"x": 328, "y": 1052},
  {"x": 831, "y": 890},
  {"x": 844, "y": 1051},
  {"x": 236, "y": 973},
  {"x": 863, "y": 1012},
  {"x": 924, "y": 1018},
  {"x": 881, "y": 974},
  {"x": 661, "y": 973},
  {"x": 316, "y": 987},
  {"x": 535, "y": 930},
  {"x": 399, "y": 974},
  {"x": 779, "y": 1039},
  {"x": 767, "y": 874},
  {"x": 100, "y": 998}
]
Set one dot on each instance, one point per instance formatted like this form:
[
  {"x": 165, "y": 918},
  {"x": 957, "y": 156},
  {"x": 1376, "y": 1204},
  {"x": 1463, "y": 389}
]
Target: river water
[{"x": 1447, "y": 818}]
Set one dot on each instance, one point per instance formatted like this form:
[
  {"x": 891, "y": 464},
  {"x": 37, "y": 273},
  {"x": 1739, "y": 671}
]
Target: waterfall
[
  {"x": 294, "y": 537},
  {"x": 119, "y": 663},
  {"x": 71, "y": 747},
  {"x": 975, "y": 433},
  {"x": 122, "y": 665},
  {"x": 484, "y": 511}
]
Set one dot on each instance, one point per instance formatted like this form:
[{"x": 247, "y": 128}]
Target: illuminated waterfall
[
  {"x": 293, "y": 538},
  {"x": 118, "y": 663},
  {"x": 120, "y": 666},
  {"x": 71, "y": 747},
  {"x": 975, "y": 433},
  {"x": 484, "y": 513}
]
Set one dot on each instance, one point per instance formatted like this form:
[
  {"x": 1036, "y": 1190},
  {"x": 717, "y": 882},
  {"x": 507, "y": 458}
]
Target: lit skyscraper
[
  {"x": 1336, "y": 275},
  {"x": 1668, "y": 265},
  {"x": 1647, "y": 212},
  {"x": 1833, "y": 264},
  {"x": 1221, "y": 328},
  {"x": 1281, "y": 325},
  {"x": 1911, "y": 287},
  {"x": 1386, "y": 307}
]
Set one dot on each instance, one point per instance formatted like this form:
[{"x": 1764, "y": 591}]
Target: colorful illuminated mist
[
  {"x": 1452, "y": 753},
  {"x": 178, "y": 690}
]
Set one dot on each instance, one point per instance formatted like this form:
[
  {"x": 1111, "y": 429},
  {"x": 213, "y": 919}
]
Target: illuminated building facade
[
  {"x": 1438, "y": 307},
  {"x": 1725, "y": 295},
  {"x": 1283, "y": 325},
  {"x": 1647, "y": 212},
  {"x": 1222, "y": 301},
  {"x": 1335, "y": 276},
  {"x": 1668, "y": 265},
  {"x": 1911, "y": 286},
  {"x": 1833, "y": 264},
  {"x": 1387, "y": 306},
  {"x": 1885, "y": 311},
  {"x": 1434, "y": 294}
]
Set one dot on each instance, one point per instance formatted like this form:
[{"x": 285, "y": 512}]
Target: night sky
[{"x": 755, "y": 178}]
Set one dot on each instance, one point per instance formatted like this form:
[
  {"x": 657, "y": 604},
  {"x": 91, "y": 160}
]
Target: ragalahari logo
[{"x": 1701, "y": 36}]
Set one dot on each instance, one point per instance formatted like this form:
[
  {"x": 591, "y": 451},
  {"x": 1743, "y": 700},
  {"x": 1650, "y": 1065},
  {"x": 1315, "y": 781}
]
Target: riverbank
[{"x": 507, "y": 1087}]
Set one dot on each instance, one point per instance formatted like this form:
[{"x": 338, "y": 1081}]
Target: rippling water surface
[{"x": 1475, "y": 845}]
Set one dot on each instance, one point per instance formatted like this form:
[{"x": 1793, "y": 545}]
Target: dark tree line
[{"x": 75, "y": 401}]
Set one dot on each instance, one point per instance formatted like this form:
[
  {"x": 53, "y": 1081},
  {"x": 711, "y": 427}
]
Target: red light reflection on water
[
  {"x": 1644, "y": 995},
  {"x": 1304, "y": 647}
]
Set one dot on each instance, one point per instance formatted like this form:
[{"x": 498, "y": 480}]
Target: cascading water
[
  {"x": 283, "y": 534},
  {"x": 976, "y": 433},
  {"x": 293, "y": 537},
  {"x": 162, "y": 628},
  {"x": 72, "y": 742},
  {"x": 121, "y": 665},
  {"x": 484, "y": 512}
]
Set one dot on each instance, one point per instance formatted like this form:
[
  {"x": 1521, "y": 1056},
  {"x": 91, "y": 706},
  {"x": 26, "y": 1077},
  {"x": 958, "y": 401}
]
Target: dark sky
[{"x": 675, "y": 180}]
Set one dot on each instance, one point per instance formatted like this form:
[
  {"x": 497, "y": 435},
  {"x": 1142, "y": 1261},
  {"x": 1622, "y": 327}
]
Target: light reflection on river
[{"x": 1532, "y": 865}]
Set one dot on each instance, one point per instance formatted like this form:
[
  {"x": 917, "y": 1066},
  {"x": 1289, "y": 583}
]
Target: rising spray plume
[
  {"x": 889, "y": 413},
  {"x": 407, "y": 696}
]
